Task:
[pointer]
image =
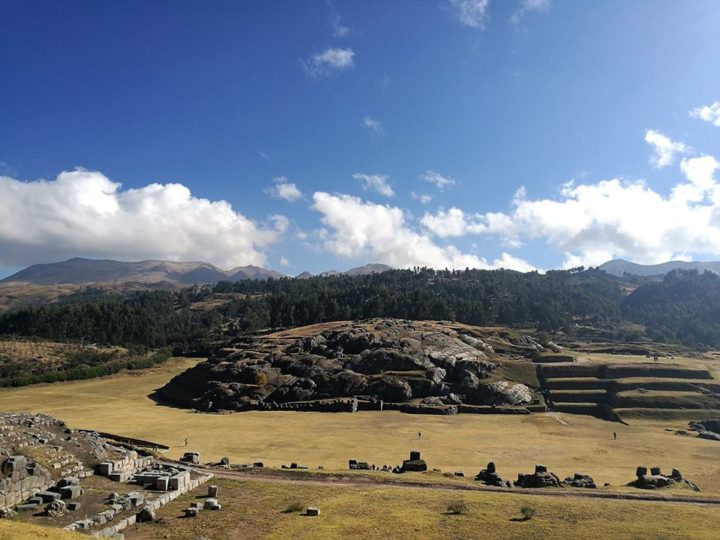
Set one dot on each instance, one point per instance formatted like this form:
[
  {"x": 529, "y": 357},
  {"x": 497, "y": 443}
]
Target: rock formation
[{"x": 377, "y": 361}]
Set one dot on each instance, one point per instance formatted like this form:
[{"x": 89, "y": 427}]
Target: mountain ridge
[
  {"x": 78, "y": 271},
  {"x": 619, "y": 267}
]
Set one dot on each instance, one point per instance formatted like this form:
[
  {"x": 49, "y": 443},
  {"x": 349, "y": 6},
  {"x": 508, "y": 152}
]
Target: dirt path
[{"x": 275, "y": 476}]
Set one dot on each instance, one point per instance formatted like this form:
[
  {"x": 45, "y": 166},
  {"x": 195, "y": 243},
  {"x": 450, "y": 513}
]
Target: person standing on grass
[
  {"x": 187, "y": 440},
  {"x": 614, "y": 435}
]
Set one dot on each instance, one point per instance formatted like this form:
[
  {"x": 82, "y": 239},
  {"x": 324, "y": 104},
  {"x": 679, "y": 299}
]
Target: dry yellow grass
[
  {"x": 253, "y": 509},
  {"x": 14, "y": 530},
  {"x": 47, "y": 353},
  {"x": 566, "y": 443}
]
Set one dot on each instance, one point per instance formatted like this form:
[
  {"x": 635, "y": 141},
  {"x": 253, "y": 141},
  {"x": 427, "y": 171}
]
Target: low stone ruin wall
[
  {"x": 153, "y": 505},
  {"x": 23, "y": 480}
]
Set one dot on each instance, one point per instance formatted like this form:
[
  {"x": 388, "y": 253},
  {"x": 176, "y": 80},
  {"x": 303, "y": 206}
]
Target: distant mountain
[
  {"x": 368, "y": 269},
  {"x": 619, "y": 267},
  {"x": 79, "y": 271},
  {"x": 373, "y": 268}
]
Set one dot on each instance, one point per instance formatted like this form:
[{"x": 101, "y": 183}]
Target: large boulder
[
  {"x": 381, "y": 360},
  {"x": 346, "y": 383},
  {"x": 392, "y": 389},
  {"x": 503, "y": 393}
]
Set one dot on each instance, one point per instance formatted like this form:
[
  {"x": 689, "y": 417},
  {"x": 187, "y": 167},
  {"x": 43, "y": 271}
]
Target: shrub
[
  {"x": 295, "y": 506},
  {"x": 527, "y": 512},
  {"x": 261, "y": 378},
  {"x": 457, "y": 507}
]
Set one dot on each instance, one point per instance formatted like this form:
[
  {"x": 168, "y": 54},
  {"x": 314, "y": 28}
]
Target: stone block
[
  {"x": 179, "y": 480},
  {"x": 104, "y": 468},
  {"x": 69, "y": 481},
  {"x": 72, "y": 506},
  {"x": 48, "y": 496},
  {"x": 212, "y": 491},
  {"x": 161, "y": 483},
  {"x": 119, "y": 476},
  {"x": 70, "y": 492},
  {"x": 312, "y": 511},
  {"x": 211, "y": 504},
  {"x": 14, "y": 464}
]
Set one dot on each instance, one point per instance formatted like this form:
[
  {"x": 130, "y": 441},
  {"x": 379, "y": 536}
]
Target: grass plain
[
  {"x": 565, "y": 443},
  {"x": 254, "y": 509}
]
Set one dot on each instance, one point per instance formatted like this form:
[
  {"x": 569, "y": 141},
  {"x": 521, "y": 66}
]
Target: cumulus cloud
[
  {"x": 357, "y": 228},
  {"x": 378, "y": 182},
  {"x": 708, "y": 113},
  {"x": 84, "y": 213},
  {"x": 527, "y": 6},
  {"x": 593, "y": 223},
  {"x": 453, "y": 222},
  {"x": 440, "y": 181},
  {"x": 665, "y": 148},
  {"x": 329, "y": 61},
  {"x": 373, "y": 124},
  {"x": 472, "y": 13},
  {"x": 284, "y": 189}
]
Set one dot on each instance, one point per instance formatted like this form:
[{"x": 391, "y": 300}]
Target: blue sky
[{"x": 315, "y": 135}]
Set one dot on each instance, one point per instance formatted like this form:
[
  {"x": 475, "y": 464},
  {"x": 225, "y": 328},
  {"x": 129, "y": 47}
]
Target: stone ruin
[
  {"x": 579, "y": 480},
  {"x": 540, "y": 478},
  {"x": 490, "y": 477},
  {"x": 43, "y": 464},
  {"x": 656, "y": 479},
  {"x": 414, "y": 464},
  {"x": 162, "y": 477},
  {"x": 707, "y": 429},
  {"x": 355, "y": 465},
  {"x": 191, "y": 457}
]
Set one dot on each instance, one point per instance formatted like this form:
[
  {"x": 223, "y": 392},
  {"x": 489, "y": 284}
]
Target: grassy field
[
  {"x": 566, "y": 443},
  {"x": 15, "y": 530},
  {"x": 253, "y": 509}
]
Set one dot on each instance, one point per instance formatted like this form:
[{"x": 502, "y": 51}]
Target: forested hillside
[{"x": 682, "y": 308}]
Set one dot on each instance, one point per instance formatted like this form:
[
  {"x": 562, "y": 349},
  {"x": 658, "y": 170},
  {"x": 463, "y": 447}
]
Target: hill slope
[
  {"x": 78, "y": 270},
  {"x": 618, "y": 267}
]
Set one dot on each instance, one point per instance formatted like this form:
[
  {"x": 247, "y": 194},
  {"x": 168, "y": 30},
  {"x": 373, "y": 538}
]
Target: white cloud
[
  {"x": 527, "y": 6},
  {"x": 329, "y": 61},
  {"x": 708, "y": 113},
  {"x": 593, "y": 223},
  {"x": 284, "y": 189},
  {"x": 472, "y": 13},
  {"x": 664, "y": 147},
  {"x": 83, "y": 213},
  {"x": 424, "y": 198},
  {"x": 338, "y": 28},
  {"x": 378, "y": 182},
  {"x": 372, "y": 124},
  {"x": 440, "y": 181},
  {"x": 284, "y": 262},
  {"x": 453, "y": 222},
  {"x": 356, "y": 228}
]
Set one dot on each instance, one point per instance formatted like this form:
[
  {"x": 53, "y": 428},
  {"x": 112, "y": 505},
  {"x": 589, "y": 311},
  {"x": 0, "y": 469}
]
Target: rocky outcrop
[
  {"x": 428, "y": 364},
  {"x": 655, "y": 479},
  {"x": 540, "y": 478}
]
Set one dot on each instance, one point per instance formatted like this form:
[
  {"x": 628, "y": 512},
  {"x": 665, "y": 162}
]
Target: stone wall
[{"x": 154, "y": 505}]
